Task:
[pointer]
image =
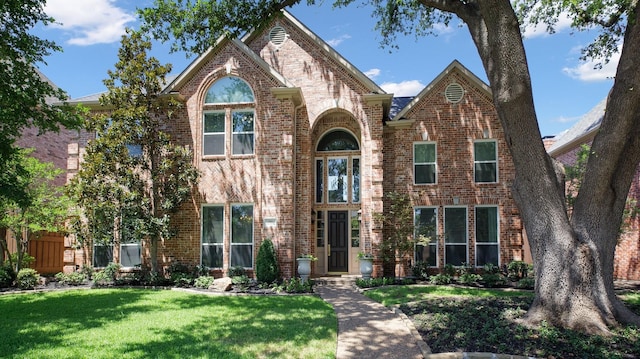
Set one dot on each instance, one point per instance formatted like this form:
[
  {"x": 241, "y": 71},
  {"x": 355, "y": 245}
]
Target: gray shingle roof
[{"x": 588, "y": 123}]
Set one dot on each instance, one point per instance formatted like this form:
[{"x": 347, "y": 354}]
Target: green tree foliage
[
  {"x": 134, "y": 177},
  {"x": 574, "y": 280},
  {"x": 26, "y": 96},
  {"x": 267, "y": 263},
  {"x": 46, "y": 211}
]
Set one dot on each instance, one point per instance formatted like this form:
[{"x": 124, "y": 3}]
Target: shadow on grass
[{"x": 163, "y": 324}]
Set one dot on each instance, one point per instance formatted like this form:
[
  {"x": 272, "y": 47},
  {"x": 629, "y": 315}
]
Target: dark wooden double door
[{"x": 338, "y": 241}]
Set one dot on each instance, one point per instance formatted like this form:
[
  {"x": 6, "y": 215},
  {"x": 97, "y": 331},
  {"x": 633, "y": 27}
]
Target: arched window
[
  {"x": 338, "y": 140},
  {"x": 338, "y": 174},
  {"x": 228, "y": 114}
]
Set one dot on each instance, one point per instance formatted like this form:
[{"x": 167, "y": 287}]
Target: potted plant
[
  {"x": 366, "y": 264},
  {"x": 304, "y": 265}
]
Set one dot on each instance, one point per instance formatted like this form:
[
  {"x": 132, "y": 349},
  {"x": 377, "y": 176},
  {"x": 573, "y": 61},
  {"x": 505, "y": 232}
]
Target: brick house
[
  {"x": 565, "y": 148},
  {"x": 295, "y": 144}
]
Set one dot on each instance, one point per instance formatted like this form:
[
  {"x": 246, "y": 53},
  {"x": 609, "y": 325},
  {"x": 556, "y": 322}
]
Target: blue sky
[{"x": 564, "y": 88}]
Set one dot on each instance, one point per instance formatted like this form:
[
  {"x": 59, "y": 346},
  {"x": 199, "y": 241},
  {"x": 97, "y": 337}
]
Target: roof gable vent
[
  {"x": 454, "y": 92},
  {"x": 277, "y": 35}
]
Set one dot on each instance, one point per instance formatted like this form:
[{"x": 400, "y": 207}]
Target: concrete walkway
[{"x": 366, "y": 329}]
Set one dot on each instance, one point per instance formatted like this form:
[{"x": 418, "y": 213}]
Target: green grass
[
  {"x": 130, "y": 323},
  {"x": 452, "y": 319},
  {"x": 401, "y": 294}
]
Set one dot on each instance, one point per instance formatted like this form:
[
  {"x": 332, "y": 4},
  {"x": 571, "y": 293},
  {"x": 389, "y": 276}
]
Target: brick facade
[{"x": 303, "y": 90}]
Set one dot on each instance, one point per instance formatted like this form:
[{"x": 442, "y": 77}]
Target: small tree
[
  {"x": 400, "y": 232},
  {"x": 266, "y": 263},
  {"x": 46, "y": 211}
]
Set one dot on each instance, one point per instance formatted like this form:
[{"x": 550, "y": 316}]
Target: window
[
  {"x": 337, "y": 180},
  {"x": 212, "y": 236},
  {"x": 320, "y": 229},
  {"x": 426, "y": 225},
  {"x": 228, "y": 116},
  {"x": 487, "y": 248},
  {"x": 319, "y": 176},
  {"x": 355, "y": 180},
  {"x": 338, "y": 175},
  {"x": 242, "y": 139},
  {"x": 241, "y": 235},
  {"x": 102, "y": 254},
  {"x": 485, "y": 161},
  {"x": 424, "y": 162},
  {"x": 455, "y": 235},
  {"x": 214, "y": 129},
  {"x": 130, "y": 247},
  {"x": 355, "y": 228}
]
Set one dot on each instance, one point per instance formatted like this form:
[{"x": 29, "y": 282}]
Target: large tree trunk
[{"x": 573, "y": 257}]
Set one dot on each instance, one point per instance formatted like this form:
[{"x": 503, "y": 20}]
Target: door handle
[{"x": 328, "y": 250}]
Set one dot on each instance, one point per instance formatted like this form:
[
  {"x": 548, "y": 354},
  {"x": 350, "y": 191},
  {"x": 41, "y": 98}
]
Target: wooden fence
[{"x": 48, "y": 251}]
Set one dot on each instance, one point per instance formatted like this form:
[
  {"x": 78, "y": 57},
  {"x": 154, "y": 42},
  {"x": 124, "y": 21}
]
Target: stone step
[{"x": 337, "y": 281}]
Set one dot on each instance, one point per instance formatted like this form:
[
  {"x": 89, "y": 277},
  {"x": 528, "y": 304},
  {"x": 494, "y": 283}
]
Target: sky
[{"x": 564, "y": 88}]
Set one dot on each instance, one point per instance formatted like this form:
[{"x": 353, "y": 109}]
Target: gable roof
[
  {"x": 330, "y": 51},
  {"x": 581, "y": 132},
  {"x": 188, "y": 72},
  {"x": 455, "y": 65}
]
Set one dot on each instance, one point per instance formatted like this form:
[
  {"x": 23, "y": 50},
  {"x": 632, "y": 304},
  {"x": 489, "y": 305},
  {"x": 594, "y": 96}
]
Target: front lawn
[
  {"x": 453, "y": 319},
  {"x": 132, "y": 323}
]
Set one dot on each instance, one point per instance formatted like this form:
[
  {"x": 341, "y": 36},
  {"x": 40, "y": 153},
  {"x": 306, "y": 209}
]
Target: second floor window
[
  {"x": 485, "y": 161},
  {"x": 229, "y": 118},
  {"x": 424, "y": 162}
]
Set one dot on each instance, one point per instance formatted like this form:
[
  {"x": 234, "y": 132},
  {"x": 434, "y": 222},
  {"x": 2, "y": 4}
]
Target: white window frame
[
  {"x": 466, "y": 244},
  {"x": 202, "y": 243},
  {"x": 252, "y": 132},
  {"x": 496, "y": 243},
  {"x": 93, "y": 254},
  {"x": 434, "y": 241},
  {"x": 435, "y": 163},
  {"x": 352, "y": 179},
  {"x": 222, "y": 134},
  {"x": 495, "y": 148},
  {"x": 252, "y": 244},
  {"x": 346, "y": 176}
]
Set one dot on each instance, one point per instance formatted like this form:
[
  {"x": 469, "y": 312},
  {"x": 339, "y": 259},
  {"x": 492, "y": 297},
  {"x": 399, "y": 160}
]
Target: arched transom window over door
[
  {"x": 228, "y": 118},
  {"x": 338, "y": 168}
]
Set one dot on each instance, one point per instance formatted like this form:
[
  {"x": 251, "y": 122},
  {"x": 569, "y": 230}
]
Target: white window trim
[
  {"x": 497, "y": 242},
  {"x": 435, "y": 164},
  {"x": 223, "y": 133},
  {"x": 253, "y": 239},
  {"x": 495, "y": 147},
  {"x": 434, "y": 241},
  {"x": 93, "y": 253},
  {"x": 253, "y": 132},
  {"x": 202, "y": 244},
  {"x": 346, "y": 175},
  {"x": 444, "y": 216},
  {"x": 137, "y": 244}
]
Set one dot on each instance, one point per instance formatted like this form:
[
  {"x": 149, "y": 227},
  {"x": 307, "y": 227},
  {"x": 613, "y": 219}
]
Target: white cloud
[
  {"x": 540, "y": 30},
  {"x": 404, "y": 88},
  {"x": 337, "y": 41},
  {"x": 373, "y": 73},
  {"x": 586, "y": 71},
  {"x": 89, "y": 22}
]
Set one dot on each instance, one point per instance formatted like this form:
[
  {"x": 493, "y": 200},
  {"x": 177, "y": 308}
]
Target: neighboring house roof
[
  {"x": 583, "y": 131},
  {"x": 455, "y": 65}
]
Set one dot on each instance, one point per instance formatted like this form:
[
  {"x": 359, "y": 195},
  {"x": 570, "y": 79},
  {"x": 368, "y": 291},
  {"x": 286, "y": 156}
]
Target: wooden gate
[{"x": 48, "y": 250}]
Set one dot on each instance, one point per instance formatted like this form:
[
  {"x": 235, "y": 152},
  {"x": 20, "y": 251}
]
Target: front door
[{"x": 338, "y": 241}]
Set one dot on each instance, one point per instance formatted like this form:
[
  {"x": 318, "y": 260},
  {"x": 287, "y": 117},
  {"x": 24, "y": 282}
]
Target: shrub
[
  {"x": 494, "y": 280},
  {"x": 107, "y": 275},
  {"x": 266, "y": 263},
  {"x": 88, "y": 271},
  {"x": 181, "y": 275},
  {"x": 75, "y": 278},
  {"x": 525, "y": 283},
  {"x": 295, "y": 285},
  {"x": 469, "y": 278},
  {"x": 421, "y": 270},
  {"x": 236, "y": 271},
  {"x": 374, "y": 282},
  {"x": 7, "y": 276},
  {"x": 204, "y": 281},
  {"x": 450, "y": 270},
  {"x": 517, "y": 270},
  {"x": 440, "y": 279},
  {"x": 27, "y": 278}
]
